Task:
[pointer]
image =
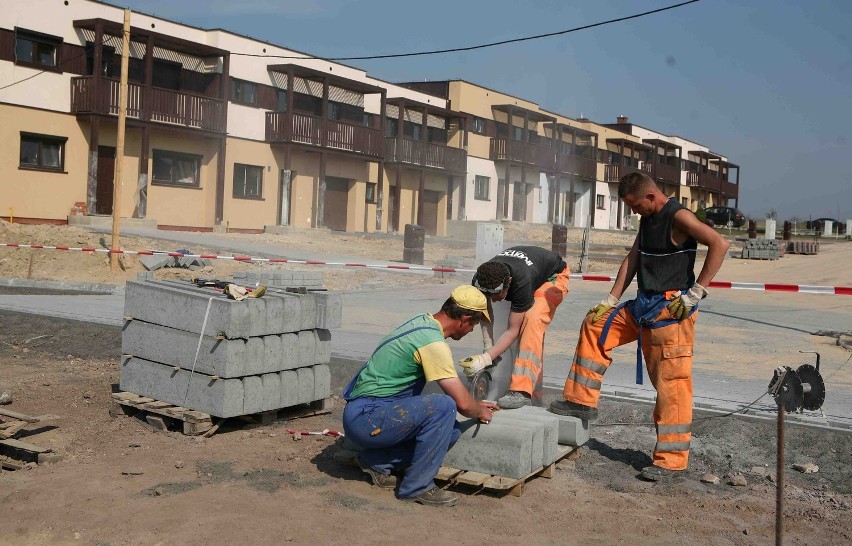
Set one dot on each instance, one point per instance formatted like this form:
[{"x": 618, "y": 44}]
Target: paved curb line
[{"x": 99, "y": 288}]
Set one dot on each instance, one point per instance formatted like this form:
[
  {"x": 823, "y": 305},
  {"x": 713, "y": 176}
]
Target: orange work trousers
[
  {"x": 668, "y": 358},
  {"x": 527, "y": 373}
]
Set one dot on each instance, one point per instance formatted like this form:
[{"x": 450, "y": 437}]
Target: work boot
[
  {"x": 656, "y": 473},
  {"x": 564, "y": 407},
  {"x": 435, "y": 497},
  {"x": 514, "y": 400},
  {"x": 5, "y": 398},
  {"x": 380, "y": 480}
]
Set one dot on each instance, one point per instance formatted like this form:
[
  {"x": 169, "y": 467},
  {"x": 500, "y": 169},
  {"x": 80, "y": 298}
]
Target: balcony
[
  {"x": 576, "y": 165},
  {"x": 148, "y": 104},
  {"x": 729, "y": 189},
  {"x": 425, "y": 154},
  {"x": 613, "y": 173},
  {"x": 298, "y": 128},
  {"x": 543, "y": 157},
  {"x": 706, "y": 181}
]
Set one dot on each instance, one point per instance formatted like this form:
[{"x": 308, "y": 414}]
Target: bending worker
[
  {"x": 400, "y": 429},
  {"x": 662, "y": 318},
  {"x": 535, "y": 281}
]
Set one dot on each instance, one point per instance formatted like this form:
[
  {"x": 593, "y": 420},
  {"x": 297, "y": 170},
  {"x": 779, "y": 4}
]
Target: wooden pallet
[
  {"x": 161, "y": 415},
  {"x": 502, "y": 484},
  {"x": 14, "y": 451}
]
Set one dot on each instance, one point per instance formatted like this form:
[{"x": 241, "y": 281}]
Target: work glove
[
  {"x": 475, "y": 364},
  {"x": 605, "y": 305},
  {"x": 683, "y": 304}
]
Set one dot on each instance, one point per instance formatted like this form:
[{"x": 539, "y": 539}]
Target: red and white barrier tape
[{"x": 767, "y": 287}]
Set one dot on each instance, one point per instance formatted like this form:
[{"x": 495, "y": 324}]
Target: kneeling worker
[
  {"x": 400, "y": 429},
  {"x": 534, "y": 281}
]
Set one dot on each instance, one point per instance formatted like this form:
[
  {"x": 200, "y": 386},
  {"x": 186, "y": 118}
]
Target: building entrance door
[
  {"x": 105, "y": 186},
  {"x": 336, "y": 203},
  {"x": 519, "y": 200},
  {"x": 430, "y": 211}
]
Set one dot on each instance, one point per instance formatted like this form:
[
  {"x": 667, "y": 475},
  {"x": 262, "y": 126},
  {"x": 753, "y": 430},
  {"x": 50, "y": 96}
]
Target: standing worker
[
  {"x": 535, "y": 281},
  {"x": 662, "y": 318},
  {"x": 400, "y": 429}
]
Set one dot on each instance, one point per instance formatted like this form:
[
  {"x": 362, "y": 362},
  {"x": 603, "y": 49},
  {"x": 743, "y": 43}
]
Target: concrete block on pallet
[
  {"x": 255, "y": 354},
  {"x": 306, "y": 385},
  {"x": 222, "y": 397},
  {"x": 271, "y": 391},
  {"x": 322, "y": 355},
  {"x": 307, "y": 347},
  {"x": 288, "y": 308},
  {"x": 289, "y": 388},
  {"x": 289, "y": 351},
  {"x": 573, "y": 431},
  {"x": 253, "y": 399},
  {"x": 329, "y": 310},
  {"x": 223, "y": 357},
  {"x": 502, "y": 450},
  {"x": 549, "y": 423},
  {"x": 537, "y": 458},
  {"x": 271, "y": 353},
  {"x": 185, "y": 310},
  {"x": 322, "y": 382}
]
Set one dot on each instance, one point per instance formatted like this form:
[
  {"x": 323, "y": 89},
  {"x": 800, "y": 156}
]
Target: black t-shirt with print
[{"x": 529, "y": 267}]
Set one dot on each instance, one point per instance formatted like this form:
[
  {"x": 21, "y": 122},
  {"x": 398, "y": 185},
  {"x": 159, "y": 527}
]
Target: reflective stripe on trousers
[
  {"x": 527, "y": 373},
  {"x": 668, "y": 359}
]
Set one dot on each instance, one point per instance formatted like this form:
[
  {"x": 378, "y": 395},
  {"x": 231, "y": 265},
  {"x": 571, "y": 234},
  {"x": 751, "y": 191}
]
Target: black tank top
[{"x": 664, "y": 265}]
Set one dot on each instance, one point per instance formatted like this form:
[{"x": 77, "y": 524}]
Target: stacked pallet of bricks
[
  {"x": 761, "y": 249},
  {"x": 255, "y": 355},
  {"x": 802, "y": 247},
  {"x": 280, "y": 278}
]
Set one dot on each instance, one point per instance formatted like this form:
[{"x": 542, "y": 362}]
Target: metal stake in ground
[{"x": 793, "y": 391}]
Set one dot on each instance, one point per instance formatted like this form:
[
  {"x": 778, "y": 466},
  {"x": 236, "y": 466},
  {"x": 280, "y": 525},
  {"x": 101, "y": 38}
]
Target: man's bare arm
[
  {"x": 627, "y": 270},
  {"x": 509, "y": 336}
]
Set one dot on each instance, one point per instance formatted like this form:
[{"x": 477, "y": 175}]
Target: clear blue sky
[{"x": 767, "y": 83}]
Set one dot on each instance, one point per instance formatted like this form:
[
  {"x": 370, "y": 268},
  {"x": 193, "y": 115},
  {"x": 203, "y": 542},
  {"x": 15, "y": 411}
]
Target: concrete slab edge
[{"x": 96, "y": 288}]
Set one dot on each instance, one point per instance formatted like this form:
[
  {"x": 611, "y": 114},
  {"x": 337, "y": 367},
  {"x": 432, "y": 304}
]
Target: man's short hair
[
  {"x": 634, "y": 184},
  {"x": 456, "y": 311},
  {"x": 490, "y": 275}
]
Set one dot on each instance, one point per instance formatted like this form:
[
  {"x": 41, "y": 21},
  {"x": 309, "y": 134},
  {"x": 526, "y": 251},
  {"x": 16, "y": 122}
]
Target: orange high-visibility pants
[
  {"x": 668, "y": 358},
  {"x": 527, "y": 372}
]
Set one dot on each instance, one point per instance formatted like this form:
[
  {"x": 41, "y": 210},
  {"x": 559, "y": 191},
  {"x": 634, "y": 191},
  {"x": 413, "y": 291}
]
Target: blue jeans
[{"x": 414, "y": 434}]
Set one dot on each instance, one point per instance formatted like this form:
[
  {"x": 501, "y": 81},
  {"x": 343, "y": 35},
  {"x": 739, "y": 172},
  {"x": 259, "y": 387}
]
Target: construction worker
[
  {"x": 662, "y": 318},
  {"x": 400, "y": 429},
  {"x": 535, "y": 281}
]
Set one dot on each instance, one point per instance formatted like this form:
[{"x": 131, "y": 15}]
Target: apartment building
[{"x": 222, "y": 130}]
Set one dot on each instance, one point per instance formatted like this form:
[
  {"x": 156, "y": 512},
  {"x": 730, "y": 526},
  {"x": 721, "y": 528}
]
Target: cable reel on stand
[{"x": 794, "y": 391}]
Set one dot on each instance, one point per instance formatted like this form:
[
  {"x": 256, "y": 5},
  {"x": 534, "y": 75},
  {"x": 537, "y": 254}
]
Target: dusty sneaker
[
  {"x": 564, "y": 407},
  {"x": 380, "y": 480},
  {"x": 514, "y": 400},
  {"x": 5, "y": 398},
  {"x": 656, "y": 473},
  {"x": 435, "y": 497}
]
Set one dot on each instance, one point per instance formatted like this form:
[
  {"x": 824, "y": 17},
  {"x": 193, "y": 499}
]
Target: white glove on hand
[
  {"x": 475, "y": 364},
  {"x": 683, "y": 304},
  {"x": 605, "y": 305}
]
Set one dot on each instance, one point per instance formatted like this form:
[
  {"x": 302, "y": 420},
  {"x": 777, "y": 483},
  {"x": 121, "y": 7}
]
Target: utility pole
[{"x": 119, "y": 148}]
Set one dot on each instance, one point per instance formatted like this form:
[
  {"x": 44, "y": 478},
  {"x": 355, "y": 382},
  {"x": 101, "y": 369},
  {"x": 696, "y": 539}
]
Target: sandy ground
[{"x": 122, "y": 482}]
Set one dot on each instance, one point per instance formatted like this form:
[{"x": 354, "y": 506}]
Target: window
[
  {"x": 282, "y": 100},
  {"x": 243, "y": 92},
  {"x": 391, "y": 127},
  {"x": 371, "y": 193},
  {"x": 481, "y": 187},
  {"x": 517, "y": 133},
  {"x": 42, "y": 152},
  {"x": 166, "y": 74},
  {"x": 684, "y": 201},
  {"x": 333, "y": 110},
  {"x": 599, "y": 201},
  {"x": 411, "y": 130},
  {"x": 37, "y": 49},
  {"x": 176, "y": 169},
  {"x": 248, "y": 181},
  {"x": 479, "y": 125}
]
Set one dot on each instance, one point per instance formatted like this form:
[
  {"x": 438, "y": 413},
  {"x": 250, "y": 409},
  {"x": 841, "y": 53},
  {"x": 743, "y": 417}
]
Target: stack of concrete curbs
[
  {"x": 761, "y": 249},
  {"x": 308, "y": 279},
  {"x": 516, "y": 443},
  {"x": 802, "y": 247},
  {"x": 258, "y": 354}
]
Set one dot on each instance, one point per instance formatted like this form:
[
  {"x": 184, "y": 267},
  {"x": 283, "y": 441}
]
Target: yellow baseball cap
[{"x": 469, "y": 297}]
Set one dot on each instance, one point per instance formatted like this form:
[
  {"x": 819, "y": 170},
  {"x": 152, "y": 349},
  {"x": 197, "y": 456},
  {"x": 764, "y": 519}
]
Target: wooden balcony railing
[
  {"x": 325, "y": 133},
  {"x": 665, "y": 172},
  {"x": 425, "y": 154},
  {"x": 613, "y": 173},
  {"x": 707, "y": 181},
  {"x": 729, "y": 189},
  {"x": 543, "y": 157},
  {"x": 164, "y": 105},
  {"x": 579, "y": 166}
]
